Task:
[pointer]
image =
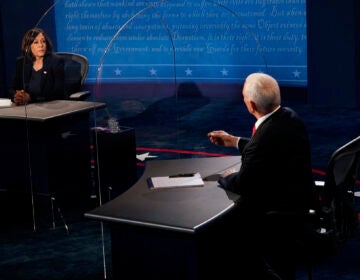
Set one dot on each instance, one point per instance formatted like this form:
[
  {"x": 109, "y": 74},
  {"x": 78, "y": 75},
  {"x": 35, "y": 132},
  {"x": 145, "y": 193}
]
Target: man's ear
[{"x": 253, "y": 107}]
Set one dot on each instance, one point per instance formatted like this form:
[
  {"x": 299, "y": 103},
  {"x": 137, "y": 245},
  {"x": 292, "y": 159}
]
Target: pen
[{"x": 182, "y": 175}]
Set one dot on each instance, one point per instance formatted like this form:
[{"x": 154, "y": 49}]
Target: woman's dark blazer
[
  {"x": 52, "y": 78},
  {"x": 276, "y": 172}
]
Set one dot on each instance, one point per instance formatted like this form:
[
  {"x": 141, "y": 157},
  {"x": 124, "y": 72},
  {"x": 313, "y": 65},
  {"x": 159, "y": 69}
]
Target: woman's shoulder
[
  {"x": 21, "y": 62},
  {"x": 20, "y": 59}
]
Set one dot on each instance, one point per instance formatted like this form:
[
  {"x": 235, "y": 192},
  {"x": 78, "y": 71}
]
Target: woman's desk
[
  {"x": 46, "y": 149},
  {"x": 155, "y": 233},
  {"x": 48, "y": 110}
]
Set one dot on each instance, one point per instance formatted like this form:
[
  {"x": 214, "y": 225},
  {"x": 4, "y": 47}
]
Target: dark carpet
[{"x": 83, "y": 251}]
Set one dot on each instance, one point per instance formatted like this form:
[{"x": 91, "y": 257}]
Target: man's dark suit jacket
[
  {"x": 276, "y": 171},
  {"x": 52, "y": 78}
]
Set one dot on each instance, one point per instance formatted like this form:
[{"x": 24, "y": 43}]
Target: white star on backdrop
[
  {"x": 118, "y": 72},
  {"x": 224, "y": 72},
  {"x": 296, "y": 73},
  {"x": 188, "y": 72},
  {"x": 153, "y": 72}
]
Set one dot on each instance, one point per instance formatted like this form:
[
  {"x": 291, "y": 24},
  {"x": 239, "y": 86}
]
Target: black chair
[
  {"x": 76, "y": 70},
  {"x": 337, "y": 193},
  {"x": 323, "y": 231}
]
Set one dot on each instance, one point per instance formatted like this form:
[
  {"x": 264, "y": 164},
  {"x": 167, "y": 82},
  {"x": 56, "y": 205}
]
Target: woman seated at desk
[{"x": 39, "y": 72}]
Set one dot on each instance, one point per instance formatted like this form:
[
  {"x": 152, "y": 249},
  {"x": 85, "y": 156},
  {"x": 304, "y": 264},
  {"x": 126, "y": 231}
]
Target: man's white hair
[{"x": 263, "y": 90}]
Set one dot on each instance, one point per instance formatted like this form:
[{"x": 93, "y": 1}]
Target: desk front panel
[
  {"x": 180, "y": 233},
  {"x": 52, "y": 157}
]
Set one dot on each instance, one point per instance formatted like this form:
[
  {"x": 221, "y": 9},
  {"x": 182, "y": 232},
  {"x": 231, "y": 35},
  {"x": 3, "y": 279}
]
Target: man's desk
[
  {"x": 159, "y": 234},
  {"x": 45, "y": 146}
]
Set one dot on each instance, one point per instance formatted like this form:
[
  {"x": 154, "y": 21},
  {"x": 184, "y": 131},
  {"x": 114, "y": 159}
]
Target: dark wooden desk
[
  {"x": 158, "y": 234},
  {"x": 45, "y": 147}
]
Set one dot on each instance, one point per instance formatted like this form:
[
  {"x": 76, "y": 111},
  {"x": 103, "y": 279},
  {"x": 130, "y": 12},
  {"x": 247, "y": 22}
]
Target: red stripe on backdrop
[{"x": 319, "y": 172}]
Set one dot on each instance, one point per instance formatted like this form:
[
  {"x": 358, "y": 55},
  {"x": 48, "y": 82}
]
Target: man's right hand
[{"x": 222, "y": 138}]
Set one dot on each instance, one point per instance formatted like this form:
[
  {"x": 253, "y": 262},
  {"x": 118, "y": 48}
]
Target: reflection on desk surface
[{"x": 47, "y": 110}]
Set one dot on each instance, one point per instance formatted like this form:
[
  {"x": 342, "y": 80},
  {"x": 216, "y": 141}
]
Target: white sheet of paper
[
  {"x": 176, "y": 182},
  {"x": 5, "y": 102}
]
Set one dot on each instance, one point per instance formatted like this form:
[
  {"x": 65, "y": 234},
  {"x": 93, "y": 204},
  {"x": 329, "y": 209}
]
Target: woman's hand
[{"x": 21, "y": 97}]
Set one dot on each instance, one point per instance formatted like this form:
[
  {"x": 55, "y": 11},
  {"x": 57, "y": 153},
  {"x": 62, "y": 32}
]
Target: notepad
[
  {"x": 5, "y": 102},
  {"x": 176, "y": 181}
]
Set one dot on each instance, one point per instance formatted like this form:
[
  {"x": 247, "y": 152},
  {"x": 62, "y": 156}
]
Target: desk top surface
[
  {"x": 179, "y": 209},
  {"x": 43, "y": 111}
]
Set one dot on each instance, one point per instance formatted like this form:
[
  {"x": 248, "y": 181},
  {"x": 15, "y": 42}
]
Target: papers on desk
[
  {"x": 176, "y": 181},
  {"x": 5, "y": 102}
]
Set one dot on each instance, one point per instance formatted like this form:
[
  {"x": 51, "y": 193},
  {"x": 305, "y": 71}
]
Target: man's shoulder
[
  {"x": 288, "y": 111},
  {"x": 286, "y": 115}
]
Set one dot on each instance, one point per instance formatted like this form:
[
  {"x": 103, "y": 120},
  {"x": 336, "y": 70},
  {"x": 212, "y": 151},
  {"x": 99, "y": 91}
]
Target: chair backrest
[
  {"x": 76, "y": 68},
  {"x": 338, "y": 201}
]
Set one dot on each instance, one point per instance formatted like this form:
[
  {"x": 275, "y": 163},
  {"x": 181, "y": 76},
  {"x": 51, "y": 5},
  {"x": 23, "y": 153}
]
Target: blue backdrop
[{"x": 187, "y": 41}]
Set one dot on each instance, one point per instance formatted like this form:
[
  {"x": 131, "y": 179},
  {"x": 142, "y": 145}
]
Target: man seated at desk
[{"x": 275, "y": 175}]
